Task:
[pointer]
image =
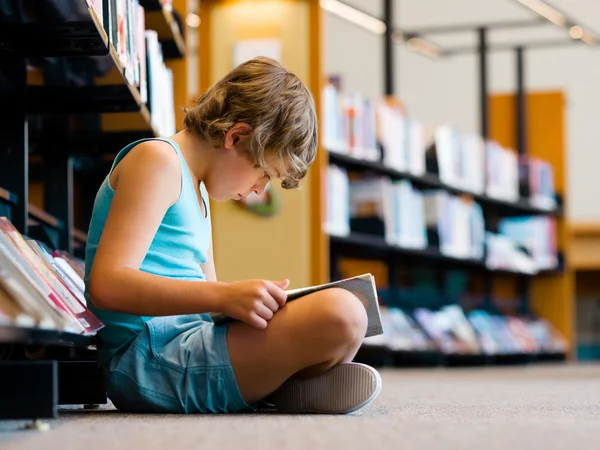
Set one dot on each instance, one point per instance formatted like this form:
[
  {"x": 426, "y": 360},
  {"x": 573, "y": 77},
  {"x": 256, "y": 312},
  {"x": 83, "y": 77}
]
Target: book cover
[
  {"x": 74, "y": 298},
  {"x": 363, "y": 286},
  {"x": 55, "y": 291}
]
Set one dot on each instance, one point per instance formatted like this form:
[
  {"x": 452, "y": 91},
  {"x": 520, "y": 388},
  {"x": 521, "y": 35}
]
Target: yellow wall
[{"x": 247, "y": 246}]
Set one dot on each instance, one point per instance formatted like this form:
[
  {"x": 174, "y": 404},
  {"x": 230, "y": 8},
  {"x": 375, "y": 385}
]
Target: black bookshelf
[
  {"x": 372, "y": 246},
  {"x": 52, "y": 33},
  {"x": 432, "y": 181},
  {"x": 39, "y": 336},
  {"x": 60, "y": 78}
]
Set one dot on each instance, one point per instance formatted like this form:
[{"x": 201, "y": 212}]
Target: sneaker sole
[{"x": 342, "y": 390}]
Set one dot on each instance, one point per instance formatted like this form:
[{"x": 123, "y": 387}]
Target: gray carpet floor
[{"x": 534, "y": 407}]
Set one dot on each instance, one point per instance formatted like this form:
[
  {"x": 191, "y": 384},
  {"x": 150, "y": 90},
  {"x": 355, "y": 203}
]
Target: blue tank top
[{"x": 179, "y": 247}]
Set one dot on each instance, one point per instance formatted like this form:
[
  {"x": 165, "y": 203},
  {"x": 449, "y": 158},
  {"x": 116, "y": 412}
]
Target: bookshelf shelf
[
  {"x": 38, "y": 336},
  {"x": 39, "y": 215},
  {"x": 432, "y": 181},
  {"x": 370, "y": 244},
  {"x": 53, "y": 37},
  {"x": 9, "y": 197}
]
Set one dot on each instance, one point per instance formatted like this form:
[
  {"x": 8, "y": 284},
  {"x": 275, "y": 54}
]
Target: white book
[{"x": 363, "y": 286}]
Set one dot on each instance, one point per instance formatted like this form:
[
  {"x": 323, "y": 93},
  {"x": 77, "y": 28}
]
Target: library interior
[{"x": 451, "y": 193}]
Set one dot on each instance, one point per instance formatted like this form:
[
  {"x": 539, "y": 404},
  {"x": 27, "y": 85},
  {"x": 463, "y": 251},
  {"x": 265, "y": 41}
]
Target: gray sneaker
[{"x": 341, "y": 390}]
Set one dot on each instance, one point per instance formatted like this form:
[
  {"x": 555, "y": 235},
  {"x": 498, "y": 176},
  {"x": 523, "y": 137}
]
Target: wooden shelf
[
  {"x": 41, "y": 216},
  {"x": 161, "y": 19},
  {"x": 432, "y": 181},
  {"x": 38, "y": 336},
  {"x": 9, "y": 197},
  {"x": 376, "y": 245}
]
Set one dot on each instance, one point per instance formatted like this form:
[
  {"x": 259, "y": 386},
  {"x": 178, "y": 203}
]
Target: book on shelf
[
  {"x": 502, "y": 172},
  {"x": 455, "y": 224},
  {"x": 43, "y": 293},
  {"x": 536, "y": 178},
  {"x": 362, "y": 286},
  {"x": 337, "y": 201},
  {"x": 453, "y": 331},
  {"x": 459, "y": 159},
  {"x": 348, "y": 122}
]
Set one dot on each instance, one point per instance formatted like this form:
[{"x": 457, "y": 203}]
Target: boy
[{"x": 150, "y": 275}]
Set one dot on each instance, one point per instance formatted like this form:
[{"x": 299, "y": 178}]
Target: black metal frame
[{"x": 67, "y": 371}]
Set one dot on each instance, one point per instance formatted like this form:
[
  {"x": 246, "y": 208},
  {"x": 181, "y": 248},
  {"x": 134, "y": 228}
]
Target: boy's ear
[{"x": 236, "y": 134}]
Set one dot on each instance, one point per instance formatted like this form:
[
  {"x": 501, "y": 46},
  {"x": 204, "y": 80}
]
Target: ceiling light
[
  {"x": 546, "y": 11},
  {"x": 193, "y": 20},
  {"x": 426, "y": 48},
  {"x": 589, "y": 38},
  {"x": 353, "y": 15},
  {"x": 576, "y": 32}
]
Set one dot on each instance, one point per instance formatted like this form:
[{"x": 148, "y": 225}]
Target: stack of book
[
  {"x": 455, "y": 224},
  {"x": 348, "y": 122},
  {"x": 402, "y": 139},
  {"x": 502, "y": 173},
  {"x": 451, "y": 331},
  {"x": 337, "y": 201},
  {"x": 523, "y": 244},
  {"x": 537, "y": 182},
  {"x": 394, "y": 210},
  {"x": 41, "y": 288},
  {"x": 460, "y": 159}
]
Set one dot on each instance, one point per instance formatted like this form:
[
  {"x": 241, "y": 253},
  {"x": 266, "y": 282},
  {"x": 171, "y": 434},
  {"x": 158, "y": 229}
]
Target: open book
[{"x": 363, "y": 286}]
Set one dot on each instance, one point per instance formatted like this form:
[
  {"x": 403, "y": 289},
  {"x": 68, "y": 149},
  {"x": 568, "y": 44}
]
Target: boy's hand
[{"x": 254, "y": 301}]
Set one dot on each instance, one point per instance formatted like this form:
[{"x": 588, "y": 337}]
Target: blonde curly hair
[{"x": 275, "y": 103}]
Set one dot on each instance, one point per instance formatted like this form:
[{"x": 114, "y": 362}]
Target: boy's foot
[{"x": 341, "y": 390}]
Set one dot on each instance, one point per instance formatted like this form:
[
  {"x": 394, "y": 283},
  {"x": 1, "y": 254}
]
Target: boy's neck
[{"x": 197, "y": 152}]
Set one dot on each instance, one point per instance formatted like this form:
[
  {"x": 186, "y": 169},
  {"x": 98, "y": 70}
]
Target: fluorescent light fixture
[
  {"x": 546, "y": 11},
  {"x": 353, "y": 15},
  {"x": 588, "y": 38},
  {"x": 425, "y": 48},
  {"x": 577, "y": 32},
  {"x": 193, "y": 20}
]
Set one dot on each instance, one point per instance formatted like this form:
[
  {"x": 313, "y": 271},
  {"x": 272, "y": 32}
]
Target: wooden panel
[
  {"x": 552, "y": 297},
  {"x": 320, "y": 241},
  {"x": 585, "y": 247},
  {"x": 247, "y": 246}
]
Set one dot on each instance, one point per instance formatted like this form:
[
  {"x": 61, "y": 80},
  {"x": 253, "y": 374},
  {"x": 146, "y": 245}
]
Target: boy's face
[{"x": 233, "y": 175}]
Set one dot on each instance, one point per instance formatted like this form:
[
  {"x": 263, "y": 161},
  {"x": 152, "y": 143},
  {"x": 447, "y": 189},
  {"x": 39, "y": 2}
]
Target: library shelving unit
[
  {"x": 68, "y": 108},
  {"x": 298, "y": 229}
]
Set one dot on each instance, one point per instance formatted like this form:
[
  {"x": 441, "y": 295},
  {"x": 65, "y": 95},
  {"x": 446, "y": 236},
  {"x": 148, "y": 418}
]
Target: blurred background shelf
[
  {"x": 373, "y": 246},
  {"x": 432, "y": 181}
]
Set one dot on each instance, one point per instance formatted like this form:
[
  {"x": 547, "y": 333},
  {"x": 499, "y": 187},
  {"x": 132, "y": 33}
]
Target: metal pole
[
  {"x": 388, "y": 57},
  {"x": 14, "y": 151},
  {"x": 521, "y": 103},
  {"x": 483, "y": 87}
]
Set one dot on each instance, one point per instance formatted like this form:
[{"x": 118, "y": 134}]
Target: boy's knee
[{"x": 343, "y": 319}]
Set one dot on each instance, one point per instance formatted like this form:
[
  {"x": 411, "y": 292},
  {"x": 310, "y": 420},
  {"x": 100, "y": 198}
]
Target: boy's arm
[
  {"x": 208, "y": 268},
  {"x": 149, "y": 180}
]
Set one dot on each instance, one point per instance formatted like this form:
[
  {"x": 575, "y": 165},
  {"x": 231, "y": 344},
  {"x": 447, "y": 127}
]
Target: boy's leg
[{"x": 306, "y": 337}]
